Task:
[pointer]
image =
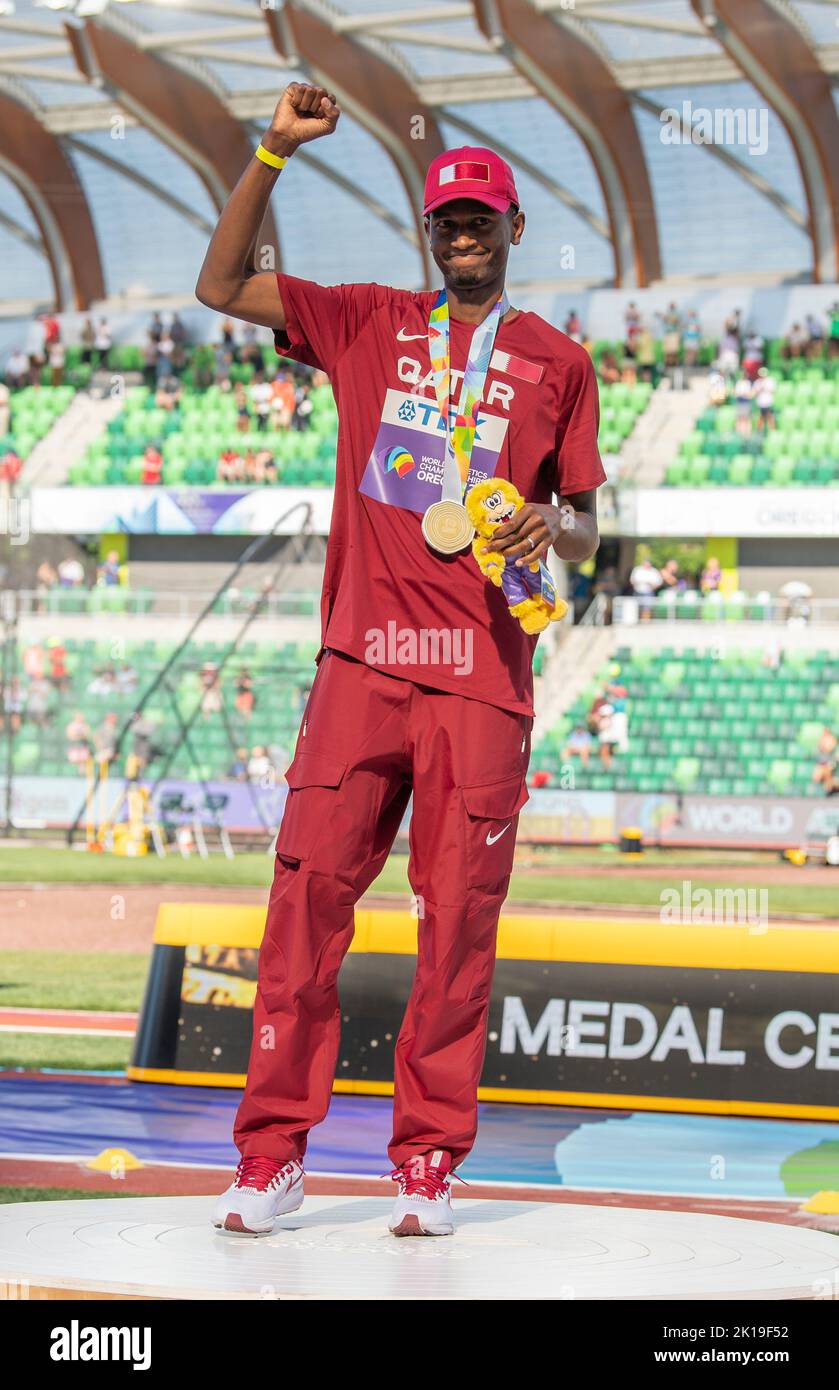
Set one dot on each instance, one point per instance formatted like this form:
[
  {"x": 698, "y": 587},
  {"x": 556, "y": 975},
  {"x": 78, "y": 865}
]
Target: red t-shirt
[
  {"x": 152, "y": 468},
  {"x": 389, "y": 599}
]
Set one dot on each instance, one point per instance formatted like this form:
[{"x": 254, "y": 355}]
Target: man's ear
[{"x": 518, "y": 227}]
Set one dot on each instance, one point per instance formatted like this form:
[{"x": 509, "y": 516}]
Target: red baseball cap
[{"x": 470, "y": 172}]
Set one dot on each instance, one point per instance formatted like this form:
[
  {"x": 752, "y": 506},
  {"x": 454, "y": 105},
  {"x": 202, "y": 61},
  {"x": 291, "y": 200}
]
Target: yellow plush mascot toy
[{"x": 529, "y": 589}]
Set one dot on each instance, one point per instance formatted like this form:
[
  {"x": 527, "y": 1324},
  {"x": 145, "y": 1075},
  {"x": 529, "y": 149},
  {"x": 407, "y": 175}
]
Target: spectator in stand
[
  {"x": 632, "y": 320},
  {"x": 143, "y": 731},
  {"x": 14, "y": 701},
  {"x": 152, "y": 466},
  {"x": 103, "y": 341},
  {"x": 261, "y": 399},
  {"x": 795, "y": 343},
  {"x": 824, "y": 773},
  {"x": 645, "y": 355},
  {"x": 645, "y": 581},
  {"x": 52, "y": 331},
  {"x": 165, "y": 350},
  {"x": 87, "y": 340},
  {"x": 230, "y": 467},
  {"x": 608, "y": 369},
  {"x": 709, "y": 580},
  {"x": 593, "y": 716},
  {"x": 301, "y": 419},
  {"x": 691, "y": 338},
  {"x": 578, "y": 745},
  {"x": 618, "y": 719},
  {"x": 168, "y": 393},
  {"x": 37, "y": 702},
  {"x": 573, "y": 327},
  {"x": 671, "y": 322},
  {"x": 728, "y": 358},
  {"x": 753, "y": 355},
  {"x": 105, "y": 739},
  {"x": 222, "y": 362},
  {"x": 245, "y": 698},
  {"x": 606, "y": 735},
  {"x": 108, "y": 572},
  {"x": 71, "y": 573},
  {"x": 45, "y": 579},
  {"x": 79, "y": 740},
  {"x": 254, "y": 467},
  {"x": 56, "y": 358},
  {"x": 607, "y": 584},
  {"x": 178, "y": 330},
  {"x": 717, "y": 388},
  {"x": 765, "y": 400},
  {"x": 238, "y": 770},
  {"x": 33, "y": 661},
  {"x": 228, "y": 338},
  {"x": 282, "y": 401},
  {"x": 243, "y": 419},
  {"x": 743, "y": 396},
  {"x": 18, "y": 370},
  {"x": 126, "y": 678},
  {"x": 211, "y": 699},
  {"x": 57, "y": 658},
  {"x": 250, "y": 350},
  {"x": 260, "y": 767},
  {"x": 833, "y": 339},
  {"x": 104, "y": 682},
  {"x": 11, "y": 467},
  {"x": 155, "y": 328},
  {"x": 5, "y": 408},
  {"x": 670, "y": 578},
  {"x": 815, "y": 336},
  {"x": 734, "y": 325},
  {"x": 270, "y": 471}
]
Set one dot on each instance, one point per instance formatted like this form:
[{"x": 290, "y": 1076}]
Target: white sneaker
[
  {"x": 423, "y": 1207},
  {"x": 262, "y": 1190}
]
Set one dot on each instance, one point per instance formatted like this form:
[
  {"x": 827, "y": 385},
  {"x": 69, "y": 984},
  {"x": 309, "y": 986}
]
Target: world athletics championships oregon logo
[{"x": 398, "y": 460}]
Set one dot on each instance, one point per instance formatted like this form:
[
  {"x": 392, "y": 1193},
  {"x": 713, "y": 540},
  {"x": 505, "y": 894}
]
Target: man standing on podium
[{"x": 424, "y": 679}]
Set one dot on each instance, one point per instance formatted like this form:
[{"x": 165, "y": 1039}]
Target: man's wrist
[{"x": 279, "y": 145}]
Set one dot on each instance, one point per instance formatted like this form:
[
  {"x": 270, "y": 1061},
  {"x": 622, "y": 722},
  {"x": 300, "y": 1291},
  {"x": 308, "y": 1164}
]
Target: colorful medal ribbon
[{"x": 460, "y": 440}]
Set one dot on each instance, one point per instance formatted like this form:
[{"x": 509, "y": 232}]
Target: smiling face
[
  {"x": 470, "y": 242},
  {"x": 498, "y": 508}
]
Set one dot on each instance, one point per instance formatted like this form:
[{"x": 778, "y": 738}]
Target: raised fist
[{"x": 303, "y": 113}]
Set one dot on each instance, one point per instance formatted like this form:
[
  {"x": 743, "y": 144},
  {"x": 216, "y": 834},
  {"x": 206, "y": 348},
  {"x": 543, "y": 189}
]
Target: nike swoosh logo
[
  {"x": 492, "y": 838},
  {"x": 404, "y": 337}
]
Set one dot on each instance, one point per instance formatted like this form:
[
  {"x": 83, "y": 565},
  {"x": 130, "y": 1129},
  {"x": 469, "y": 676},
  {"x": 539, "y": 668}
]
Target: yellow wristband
[{"x": 276, "y": 161}]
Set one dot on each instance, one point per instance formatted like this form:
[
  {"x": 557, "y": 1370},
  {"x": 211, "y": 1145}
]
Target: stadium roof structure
[{"x": 653, "y": 140}]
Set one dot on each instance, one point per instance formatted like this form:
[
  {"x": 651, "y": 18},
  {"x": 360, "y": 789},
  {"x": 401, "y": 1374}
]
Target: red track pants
[{"x": 366, "y": 741}]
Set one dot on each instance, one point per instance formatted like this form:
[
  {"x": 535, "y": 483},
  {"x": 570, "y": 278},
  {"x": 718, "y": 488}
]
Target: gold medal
[{"x": 447, "y": 528}]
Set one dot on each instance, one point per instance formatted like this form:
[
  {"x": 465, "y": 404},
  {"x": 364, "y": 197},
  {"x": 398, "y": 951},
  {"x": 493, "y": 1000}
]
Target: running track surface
[
  {"x": 51, "y": 1125},
  {"x": 78, "y": 1022}
]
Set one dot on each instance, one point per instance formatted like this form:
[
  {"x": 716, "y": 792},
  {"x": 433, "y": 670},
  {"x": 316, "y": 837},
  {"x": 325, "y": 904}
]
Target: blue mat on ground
[{"x": 55, "y": 1116}]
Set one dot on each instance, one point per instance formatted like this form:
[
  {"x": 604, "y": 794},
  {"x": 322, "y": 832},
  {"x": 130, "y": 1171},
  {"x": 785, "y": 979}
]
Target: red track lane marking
[{"x": 67, "y": 1021}]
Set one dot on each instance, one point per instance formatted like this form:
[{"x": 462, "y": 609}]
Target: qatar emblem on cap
[{"x": 464, "y": 169}]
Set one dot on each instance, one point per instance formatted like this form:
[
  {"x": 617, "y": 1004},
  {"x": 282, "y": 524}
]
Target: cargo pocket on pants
[
  {"x": 490, "y": 813},
  {"x": 312, "y": 778}
]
